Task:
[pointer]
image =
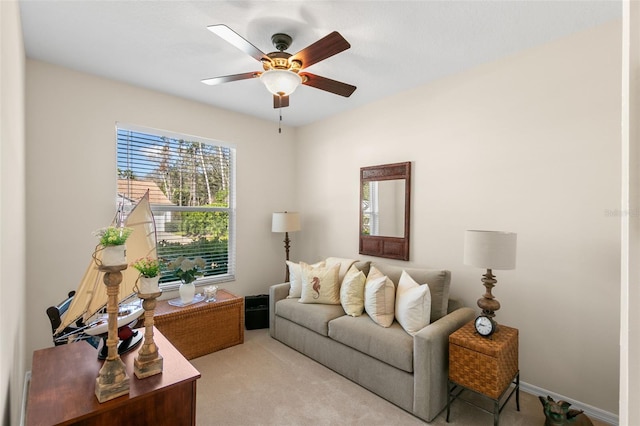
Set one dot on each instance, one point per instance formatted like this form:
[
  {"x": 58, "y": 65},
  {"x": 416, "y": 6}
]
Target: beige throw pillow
[
  {"x": 295, "y": 278},
  {"x": 352, "y": 292},
  {"x": 379, "y": 298},
  {"x": 320, "y": 284},
  {"x": 413, "y": 304}
]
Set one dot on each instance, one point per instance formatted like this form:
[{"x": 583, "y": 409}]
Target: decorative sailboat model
[{"x": 91, "y": 296}]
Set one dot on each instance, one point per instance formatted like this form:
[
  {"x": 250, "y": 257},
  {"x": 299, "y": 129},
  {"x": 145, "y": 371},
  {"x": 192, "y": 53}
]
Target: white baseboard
[
  {"x": 589, "y": 410},
  {"x": 25, "y": 394}
]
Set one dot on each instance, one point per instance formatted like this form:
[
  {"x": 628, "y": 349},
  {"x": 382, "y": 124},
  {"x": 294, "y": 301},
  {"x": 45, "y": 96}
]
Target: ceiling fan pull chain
[{"x": 280, "y": 122}]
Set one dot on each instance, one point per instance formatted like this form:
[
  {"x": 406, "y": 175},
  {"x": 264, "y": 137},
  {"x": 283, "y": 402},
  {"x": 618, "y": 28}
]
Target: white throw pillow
[
  {"x": 379, "y": 298},
  {"x": 352, "y": 292},
  {"x": 413, "y": 304},
  {"x": 320, "y": 284},
  {"x": 295, "y": 278}
]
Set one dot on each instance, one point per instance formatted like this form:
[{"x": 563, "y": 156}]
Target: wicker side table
[
  {"x": 487, "y": 366},
  {"x": 202, "y": 328}
]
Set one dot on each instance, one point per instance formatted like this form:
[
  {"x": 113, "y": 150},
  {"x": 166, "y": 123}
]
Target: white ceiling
[{"x": 395, "y": 45}]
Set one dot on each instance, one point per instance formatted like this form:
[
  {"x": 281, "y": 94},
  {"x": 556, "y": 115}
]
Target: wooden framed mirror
[{"x": 385, "y": 201}]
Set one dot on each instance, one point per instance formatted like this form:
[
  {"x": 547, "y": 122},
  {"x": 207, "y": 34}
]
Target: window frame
[{"x": 231, "y": 209}]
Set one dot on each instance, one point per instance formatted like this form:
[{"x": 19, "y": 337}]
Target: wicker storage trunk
[
  {"x": 202, "y": 328},
  {"x": 485, "y": 365}
]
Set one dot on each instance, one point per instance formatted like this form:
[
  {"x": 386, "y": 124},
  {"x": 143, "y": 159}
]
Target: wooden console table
[
  {"x": 202, "y": 328},
  {"x": 62, "y": 389}
]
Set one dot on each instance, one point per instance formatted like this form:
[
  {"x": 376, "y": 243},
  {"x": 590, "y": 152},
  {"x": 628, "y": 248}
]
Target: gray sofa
[{"x": 410, "y": 372}]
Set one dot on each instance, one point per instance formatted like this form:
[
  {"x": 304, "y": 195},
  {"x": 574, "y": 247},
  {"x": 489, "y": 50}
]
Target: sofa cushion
[
  {"x": 438, "y": 280},
  {"x": 379, "y": 298},
  {"x": 315, "y": 317},
  {"x": 364, "y": 266},
  {"x": 320, "y": 284},
  {"x": 413, "y": 304},
  {"x": 345, "y": 264},
  {"x": 391, "y": 345},
  {"x": 295, "y": 278},
  {"x": 352, "y": 292}
]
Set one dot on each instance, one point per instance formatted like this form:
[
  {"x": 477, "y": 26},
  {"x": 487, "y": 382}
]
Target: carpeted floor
[{"x": 264, "y": 382}]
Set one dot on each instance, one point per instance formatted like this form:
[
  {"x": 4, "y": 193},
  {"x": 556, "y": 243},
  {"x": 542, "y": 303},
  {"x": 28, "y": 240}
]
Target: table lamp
[
  {"x": 286, "y": 222},
  {"x": 490, "y": 250}
]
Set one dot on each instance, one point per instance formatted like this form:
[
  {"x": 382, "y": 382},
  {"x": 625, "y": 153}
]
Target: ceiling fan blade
[
  {"x": 227, "y": 78},
  {"x": 238, "y": 41},
  {"x": 323, "y": 83},
  {"x": 322, "y": 49},
  {"x": 280, "y": 101}
]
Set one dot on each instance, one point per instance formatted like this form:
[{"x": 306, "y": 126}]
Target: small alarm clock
[{"x": 485, "y": 326}]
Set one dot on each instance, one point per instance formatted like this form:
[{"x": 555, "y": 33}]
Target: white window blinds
[{"x": 191, "y": 183}]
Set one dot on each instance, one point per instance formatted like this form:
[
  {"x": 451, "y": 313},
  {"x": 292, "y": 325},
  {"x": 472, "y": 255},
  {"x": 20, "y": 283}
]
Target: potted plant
[
  {"x": 187, "y": 270},
  {"x": 149, "y": 269},
  {"x": 112, "y": 239}
]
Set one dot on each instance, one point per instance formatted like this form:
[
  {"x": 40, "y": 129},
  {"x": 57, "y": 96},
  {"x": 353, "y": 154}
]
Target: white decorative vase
[
  {"x": 187, "y": 292},
  {"x": 114, "y": 255},
  {"x": 148, "y": 285}
]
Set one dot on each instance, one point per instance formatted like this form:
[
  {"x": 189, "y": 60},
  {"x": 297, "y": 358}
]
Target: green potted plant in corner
[
  {"x": 187, "y": 270},
  {"x": 149, "y": 269},
  {"x": 112, "y": 239}
]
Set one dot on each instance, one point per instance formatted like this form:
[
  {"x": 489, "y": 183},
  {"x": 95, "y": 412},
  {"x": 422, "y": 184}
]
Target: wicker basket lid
[{"x": 493, "y": 345}]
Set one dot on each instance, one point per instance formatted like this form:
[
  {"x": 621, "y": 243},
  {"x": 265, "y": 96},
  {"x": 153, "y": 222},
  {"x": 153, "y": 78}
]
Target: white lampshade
[
  {"x": 490, "y": 249},
  {"x": 280, "y": 82},
  {"x": 285, "y": 222}
]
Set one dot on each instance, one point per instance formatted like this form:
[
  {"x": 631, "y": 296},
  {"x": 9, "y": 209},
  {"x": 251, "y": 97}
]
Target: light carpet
[{"x": 264, "y": 382}]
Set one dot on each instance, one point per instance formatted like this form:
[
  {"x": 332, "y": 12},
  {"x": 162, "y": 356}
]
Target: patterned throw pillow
[
  {"x": 295, "y": 278},
  {"x": 320, "y": 284}
]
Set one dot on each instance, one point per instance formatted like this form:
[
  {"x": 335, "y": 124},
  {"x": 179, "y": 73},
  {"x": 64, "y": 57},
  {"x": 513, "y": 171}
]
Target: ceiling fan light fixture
[{"x": 280, "y": 82}]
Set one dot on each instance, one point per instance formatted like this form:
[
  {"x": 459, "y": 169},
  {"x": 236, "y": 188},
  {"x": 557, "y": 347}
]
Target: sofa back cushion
[
  {"x": 345, "y": 264},
  {"x": 363, "y": 265},
  {"x": 438, "y": 280}
]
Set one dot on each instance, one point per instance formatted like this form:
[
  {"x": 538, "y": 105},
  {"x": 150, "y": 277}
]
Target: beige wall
[
  {"x": 71, "y": 166},
  {"x": 12, "y": 210},
  {"x": 529, "y": 144}
]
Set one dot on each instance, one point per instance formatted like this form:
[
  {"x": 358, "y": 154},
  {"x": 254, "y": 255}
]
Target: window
[
  {"x": 370, "y": 210},
  {"x": 191, "y": 184}
]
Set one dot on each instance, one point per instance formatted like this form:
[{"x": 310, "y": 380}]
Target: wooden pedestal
[
  {"x": 112, "y": 381},
  {"x": 149, "y": 361}
]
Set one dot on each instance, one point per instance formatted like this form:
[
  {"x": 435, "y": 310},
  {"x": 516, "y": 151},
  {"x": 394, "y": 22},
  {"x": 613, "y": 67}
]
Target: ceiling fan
[{"x": 281, "y": 73}]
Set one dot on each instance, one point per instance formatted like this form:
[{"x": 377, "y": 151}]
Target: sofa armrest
[
  {"x": 276, "y": 292},
  {"x": 431, "y": 362}
]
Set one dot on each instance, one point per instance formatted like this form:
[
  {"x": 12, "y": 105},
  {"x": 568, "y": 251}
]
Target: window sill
[{"x": 202, "y": 282}]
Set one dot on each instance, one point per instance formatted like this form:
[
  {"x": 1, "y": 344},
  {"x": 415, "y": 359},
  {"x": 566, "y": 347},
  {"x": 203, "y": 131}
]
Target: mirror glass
[
  {"x": 385, "y": 193},
  {"x": 383, "y": 207}
]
